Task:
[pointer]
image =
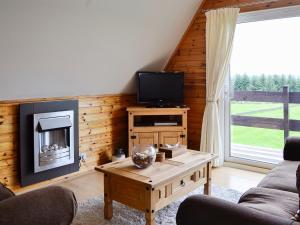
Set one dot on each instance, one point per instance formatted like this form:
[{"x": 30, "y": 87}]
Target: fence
[{"x": 284, "y": 97}]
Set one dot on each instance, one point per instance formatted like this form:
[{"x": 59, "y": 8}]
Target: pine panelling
[
  {"x": 253, "y": 5},
  {"x": 102, "y": 127},
  {"x": 190, "y": 57}
]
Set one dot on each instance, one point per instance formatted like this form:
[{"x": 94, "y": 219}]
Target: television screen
[{"x": 160, "y": 88}]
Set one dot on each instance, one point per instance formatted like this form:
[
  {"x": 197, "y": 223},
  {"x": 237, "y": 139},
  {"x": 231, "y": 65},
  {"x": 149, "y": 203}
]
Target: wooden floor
[
  {"x": 237, "y": 179},
  {"x": 91, "y": 184}
]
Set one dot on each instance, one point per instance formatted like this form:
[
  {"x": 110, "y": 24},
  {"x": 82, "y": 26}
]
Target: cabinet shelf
[
  {"x": 153, "y": 120},
  {"x": 142, "y": 129}
]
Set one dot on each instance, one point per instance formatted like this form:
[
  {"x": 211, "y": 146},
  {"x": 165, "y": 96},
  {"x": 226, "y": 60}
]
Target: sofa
[
  {"x": 273, "y": 202},
  {"x": 48, "y": 206}
]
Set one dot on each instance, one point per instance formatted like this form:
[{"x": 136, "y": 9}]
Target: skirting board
[{"x": 246, "y": 167}]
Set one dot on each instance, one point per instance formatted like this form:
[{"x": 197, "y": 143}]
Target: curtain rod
[{"x": 241, "y": 5}]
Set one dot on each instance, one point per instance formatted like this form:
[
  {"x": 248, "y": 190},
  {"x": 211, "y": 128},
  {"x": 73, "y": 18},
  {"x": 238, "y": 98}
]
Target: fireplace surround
[{"x": 48, "y": 140}]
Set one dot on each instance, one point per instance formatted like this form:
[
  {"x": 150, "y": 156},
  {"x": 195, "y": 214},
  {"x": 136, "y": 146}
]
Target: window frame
[{"x": 255, "y": 16}]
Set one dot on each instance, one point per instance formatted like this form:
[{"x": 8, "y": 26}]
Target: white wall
[{"x": 51, "y": 48}]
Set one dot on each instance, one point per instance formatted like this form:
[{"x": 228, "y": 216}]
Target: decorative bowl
[{"x": 143, "y": 156}]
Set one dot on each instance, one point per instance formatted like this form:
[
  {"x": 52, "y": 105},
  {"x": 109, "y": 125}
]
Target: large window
[{"x": 264, "y": 90}]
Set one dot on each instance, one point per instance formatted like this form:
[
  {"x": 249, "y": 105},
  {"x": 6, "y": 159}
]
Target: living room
[{"x": 154, "y": 112}]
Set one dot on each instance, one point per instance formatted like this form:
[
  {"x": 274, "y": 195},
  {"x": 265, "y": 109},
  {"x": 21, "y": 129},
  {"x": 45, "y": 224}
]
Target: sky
[{"x": 269, "y": 47}]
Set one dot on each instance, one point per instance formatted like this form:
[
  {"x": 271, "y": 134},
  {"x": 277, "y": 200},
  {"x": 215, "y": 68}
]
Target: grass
[
  {"x": 242, "y": 107},
  {"x": 260, "y": 136},
  {"x": 237, "y": 108}
]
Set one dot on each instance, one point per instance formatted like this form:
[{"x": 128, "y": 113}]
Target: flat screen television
[{"x": 160, "y": 88}]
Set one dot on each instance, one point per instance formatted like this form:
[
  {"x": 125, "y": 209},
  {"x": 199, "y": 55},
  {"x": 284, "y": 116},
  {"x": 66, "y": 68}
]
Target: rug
[{"x": 91, "y": 211}]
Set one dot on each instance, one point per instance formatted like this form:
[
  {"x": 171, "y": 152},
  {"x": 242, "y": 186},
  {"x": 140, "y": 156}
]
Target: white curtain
[{"x": 220, "y": 28}]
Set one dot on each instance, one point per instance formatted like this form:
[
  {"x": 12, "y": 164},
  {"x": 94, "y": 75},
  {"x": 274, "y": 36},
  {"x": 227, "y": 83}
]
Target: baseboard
[
  {"x": 246, "y": 167},
  {"x": 52, "y": 182}
]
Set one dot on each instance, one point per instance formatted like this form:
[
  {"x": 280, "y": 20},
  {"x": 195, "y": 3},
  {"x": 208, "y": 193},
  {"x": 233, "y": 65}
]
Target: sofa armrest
[
  {"x": 5, "y": 192},
  {"x": 206, "y": 210},
  {"x": 47, "y": 206},
  {"x": 291, "y": 149}
]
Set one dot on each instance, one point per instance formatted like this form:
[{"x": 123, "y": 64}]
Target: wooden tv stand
[{"x": 153, "y": 126}]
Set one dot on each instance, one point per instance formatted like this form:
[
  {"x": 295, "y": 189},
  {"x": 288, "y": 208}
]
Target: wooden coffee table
[{"x": 157, "y": 186}]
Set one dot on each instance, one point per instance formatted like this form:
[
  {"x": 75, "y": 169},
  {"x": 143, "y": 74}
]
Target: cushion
[
  {"x": 5, "y": 192},
  {"x": 282, "y": 177},
  {"x": 297, "y": 214},
  {"x": 275, "y": 202},
  {"x": 298, "y": 181},
  {"x": 291, "y": 149}
]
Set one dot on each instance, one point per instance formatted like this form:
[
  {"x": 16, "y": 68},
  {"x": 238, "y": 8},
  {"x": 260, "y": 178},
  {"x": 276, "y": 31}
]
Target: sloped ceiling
[{"x": 52, "y": 48}]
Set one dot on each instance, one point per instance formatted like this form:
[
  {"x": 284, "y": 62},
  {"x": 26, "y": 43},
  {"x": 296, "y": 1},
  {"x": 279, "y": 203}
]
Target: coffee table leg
[
  {"x": 150, "y": 202},
  {"x": 150, "y": 218},
  {"x": 207, "y": 186},
  {"x": 108, "y": 210}
]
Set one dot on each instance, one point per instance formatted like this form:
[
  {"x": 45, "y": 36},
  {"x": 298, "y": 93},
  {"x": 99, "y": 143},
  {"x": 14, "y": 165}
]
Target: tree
[
  {"x": 277, "y": 82},
  {"x": 237, "y": 83},
  {"x": 263, "y": 82},
  {"x": 270, "y": 84},
  {"x": 292, "y": 83},
  {"x": 297, "y": 88},
  {"x": 283, "y": 81},
  {"x": 255, "y": 84},
  {"x": 246, "y": 84}
]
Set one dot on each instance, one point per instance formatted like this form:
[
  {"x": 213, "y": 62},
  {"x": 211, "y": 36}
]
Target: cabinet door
[
  {"x": 171, "y": 138},
  {"x": 150, "y": 138}
]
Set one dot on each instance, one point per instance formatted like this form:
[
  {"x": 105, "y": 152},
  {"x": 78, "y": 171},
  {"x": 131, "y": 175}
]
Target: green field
[{"x": 260, "y": 136}]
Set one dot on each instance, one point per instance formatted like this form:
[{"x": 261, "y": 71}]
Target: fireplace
[
  {"x": 48, "y": 140},
  {"x": 53, "y": 140}
]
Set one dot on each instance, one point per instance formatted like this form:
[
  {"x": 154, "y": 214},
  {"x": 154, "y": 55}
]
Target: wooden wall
[
  {"x": 190, "y": 57},
  {"x": 102, "y": 127}
]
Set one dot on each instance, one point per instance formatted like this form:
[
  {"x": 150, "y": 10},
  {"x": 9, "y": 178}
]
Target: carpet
[{"x": 91, "y": 211}]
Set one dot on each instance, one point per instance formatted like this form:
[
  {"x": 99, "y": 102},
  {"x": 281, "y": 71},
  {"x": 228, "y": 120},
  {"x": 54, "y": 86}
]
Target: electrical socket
[{"x": 82, "y": 157}]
